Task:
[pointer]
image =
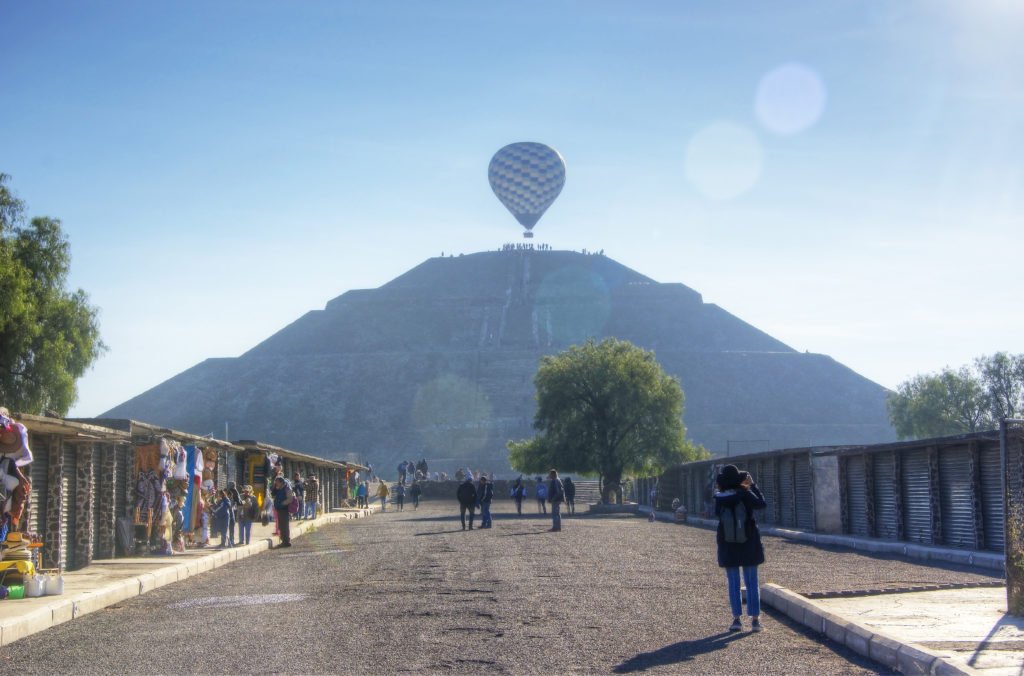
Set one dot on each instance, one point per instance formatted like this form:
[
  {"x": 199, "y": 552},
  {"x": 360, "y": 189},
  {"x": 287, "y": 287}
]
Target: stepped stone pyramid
[{"x": 438, "y": 363}]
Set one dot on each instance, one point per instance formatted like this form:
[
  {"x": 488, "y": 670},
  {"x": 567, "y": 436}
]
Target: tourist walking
[
  {"x": 739, "y": 541},
  {"x": 399, "y": 497},
  {"x": 383, "y": 493},
  {"x": 485, "y": 493},
  {"x": 248, "y": 511},
  {"x": 556, "y": 496},
  {"x": 222, "y": 520},
  {"x": 518, "y": 493},
  {"x": 466, "y": 493},
  {"x": 236, "y": 501},
  {"x": 299, "y": 489},
  {"x": 312, "y": 496},
  {"x": 361, "y": 492},
  {"x": 415, "y": 491},
  {"x": 283, "y": 497},
  {"x": 540, "y": 492},
  {"x": 570, "y": 495}
]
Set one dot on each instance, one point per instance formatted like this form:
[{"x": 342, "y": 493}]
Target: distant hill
[{"x": 439, "y": 363}]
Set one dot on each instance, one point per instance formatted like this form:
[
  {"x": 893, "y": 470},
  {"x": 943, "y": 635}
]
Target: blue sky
[{"x": 846, "y": 176}]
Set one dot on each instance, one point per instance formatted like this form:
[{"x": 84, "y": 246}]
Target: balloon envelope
[{"x": 527, "y": 178}]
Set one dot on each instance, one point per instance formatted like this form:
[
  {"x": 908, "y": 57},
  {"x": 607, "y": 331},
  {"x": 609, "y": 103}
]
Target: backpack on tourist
[
  {"x": 733, "y": 520},
  {"x": 542, "y": 491}
]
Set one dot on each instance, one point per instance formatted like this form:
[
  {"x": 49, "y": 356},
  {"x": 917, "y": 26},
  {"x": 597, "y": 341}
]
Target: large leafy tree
[
  {"x": 968, "y": 399},
  {"x": 49, "y": 335},
  {"x": 605, "y": 408}
]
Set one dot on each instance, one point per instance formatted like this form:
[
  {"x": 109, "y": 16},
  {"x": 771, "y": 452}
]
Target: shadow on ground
[{"x": 677, "y": 653}]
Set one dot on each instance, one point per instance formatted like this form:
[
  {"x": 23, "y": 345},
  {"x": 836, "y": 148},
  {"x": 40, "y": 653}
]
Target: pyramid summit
[{"x": 439, "y": 363}]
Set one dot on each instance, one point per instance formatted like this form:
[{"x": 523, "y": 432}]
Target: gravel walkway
[{"x": 412, "y": 592}]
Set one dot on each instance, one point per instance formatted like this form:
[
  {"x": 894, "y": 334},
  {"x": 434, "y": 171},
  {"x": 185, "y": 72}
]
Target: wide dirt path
[{"x": 412, "y": 592}]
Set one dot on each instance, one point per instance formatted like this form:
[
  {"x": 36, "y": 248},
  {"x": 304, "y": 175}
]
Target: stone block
[
  {"x": 911, "y": 660},
  {"x": 858, "y": 639},
  {"x": 943, "y": 668},
  {"x": 835, "y": 627},
  {"x": 884, "y": 650},
  {"x": 164, "y": 576},
  {"x": 813, "y": 617},
  {"x": 38, "y": 620},
  {"x": 12, "y": 630},
  {"x": 65, "y": 609},
  {"x": 147, "y": 583}
]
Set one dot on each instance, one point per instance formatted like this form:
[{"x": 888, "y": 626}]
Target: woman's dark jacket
[
  {"x": 749, "y": 553},
  {"x": 222, "y": 514},
  {"x": 466, "y": 493}
]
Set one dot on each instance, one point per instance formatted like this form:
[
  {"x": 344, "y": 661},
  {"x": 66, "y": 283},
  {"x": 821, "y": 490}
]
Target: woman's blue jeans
[{"x": 753, "y": 590}]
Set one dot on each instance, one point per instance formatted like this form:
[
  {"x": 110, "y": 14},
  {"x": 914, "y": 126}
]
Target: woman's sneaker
[
  {"x": 755, "y": 625},
  {"x": 735, "y": 626}
]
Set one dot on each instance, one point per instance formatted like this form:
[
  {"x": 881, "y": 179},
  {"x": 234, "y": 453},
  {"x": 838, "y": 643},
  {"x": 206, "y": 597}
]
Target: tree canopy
[
  {"x": 605, "y": 408},
  {"x": 49, "y": 336},
  {"x": 957, "y": 401}
]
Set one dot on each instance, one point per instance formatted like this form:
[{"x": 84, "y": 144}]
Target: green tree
[
  {"x": 1002, "y": 375},
  {"x": 939, "y": 404},
  {"x": 968, "y": 399},
  {"x": 605, "y": 408},
  {"x": 49, "y": 336}
]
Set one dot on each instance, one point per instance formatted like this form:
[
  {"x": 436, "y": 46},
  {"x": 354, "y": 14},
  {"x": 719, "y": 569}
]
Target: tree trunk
[{"x": 611, "y": 488}]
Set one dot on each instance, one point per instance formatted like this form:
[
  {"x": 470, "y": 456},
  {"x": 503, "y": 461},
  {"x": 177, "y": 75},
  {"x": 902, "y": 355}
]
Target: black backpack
[{"x": 733, "y": 520}]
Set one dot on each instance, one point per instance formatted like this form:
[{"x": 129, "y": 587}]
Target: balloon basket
[{"x": 527, "y": 235}]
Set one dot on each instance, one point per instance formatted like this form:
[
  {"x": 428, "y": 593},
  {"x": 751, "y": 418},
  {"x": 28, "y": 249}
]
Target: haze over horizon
[{"x": 846, "y": 178}]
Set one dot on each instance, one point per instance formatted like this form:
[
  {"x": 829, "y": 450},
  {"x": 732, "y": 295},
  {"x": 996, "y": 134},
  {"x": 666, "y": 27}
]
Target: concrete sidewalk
[
  {"x": 922, "y": 629},
  {"x": 109, "y": 581}
]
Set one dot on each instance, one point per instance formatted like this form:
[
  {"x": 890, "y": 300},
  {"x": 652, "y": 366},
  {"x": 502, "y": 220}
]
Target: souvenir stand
[
  {"x": 174, "y": 483},
  {"x": 16, "y": 564}
]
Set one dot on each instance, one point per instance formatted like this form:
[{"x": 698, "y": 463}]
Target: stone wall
[
  {"x": 106, "y": 500},
  {"x": 85, "y": 499},
  {"x": 53, "y": 534}
]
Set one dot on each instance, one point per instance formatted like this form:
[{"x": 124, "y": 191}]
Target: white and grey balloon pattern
[{"x": 527, "y": 177}]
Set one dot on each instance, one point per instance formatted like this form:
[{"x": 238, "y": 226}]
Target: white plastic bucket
[
  {"x": 35, "y": 586},
  {"x": 54, "y": 585}
]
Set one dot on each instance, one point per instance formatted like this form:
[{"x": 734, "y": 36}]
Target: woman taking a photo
[{"x": 739, "y": 541}]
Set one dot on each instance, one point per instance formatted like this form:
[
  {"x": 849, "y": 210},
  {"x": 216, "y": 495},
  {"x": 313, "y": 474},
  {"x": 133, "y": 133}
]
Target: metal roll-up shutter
[
  {"x": 992, "y": 507},
  {"x": 40, "y": 484},
  {"x": 804, "y": 492},
  {"x": 886, "y": 525},
  {"x": 916, "y": 484},
  {"x": 68, "y": 516},
  {"x": 787, "y": 492},
  {"x": 768, "y": 483},
  {"x": 956, "y": 498},
  {"x": 856, "y": 498}
]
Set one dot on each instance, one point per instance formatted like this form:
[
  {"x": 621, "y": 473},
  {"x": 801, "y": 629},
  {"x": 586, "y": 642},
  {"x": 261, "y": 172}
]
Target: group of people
[
  {"x": 298, "y": 499},
  {"x": 541, "y": 492},
  {"x": 395, "y": 493},
  {"x": 414, "y": 471},
  {"x": 554, "y": 491}
]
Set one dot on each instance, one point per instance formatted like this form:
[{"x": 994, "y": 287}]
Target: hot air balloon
[{"x": 527, "y": 178}]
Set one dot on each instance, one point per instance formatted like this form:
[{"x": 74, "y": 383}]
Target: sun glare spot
[
  {"x": 724, "y": 160},
  {"x": 789, "y": 99}
]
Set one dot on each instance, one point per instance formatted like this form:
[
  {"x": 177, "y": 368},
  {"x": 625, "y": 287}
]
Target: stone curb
[
  {"x": 68, "y": 607},
  {"x": 907, "y": 658},
  {"x": 963, "y": 557}
]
